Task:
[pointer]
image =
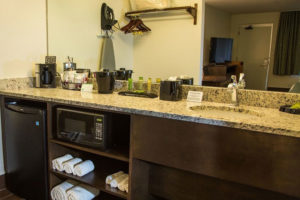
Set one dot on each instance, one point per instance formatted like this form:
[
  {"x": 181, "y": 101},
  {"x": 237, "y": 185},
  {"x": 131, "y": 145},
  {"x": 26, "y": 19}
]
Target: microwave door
[{"x": 81, "y": 127}]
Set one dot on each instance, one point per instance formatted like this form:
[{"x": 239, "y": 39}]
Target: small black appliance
[
  {"x": 83, "y": 127},
  {"x": 170, "y": 90},
  {"x": 105, "y": 81},
  {"x": 123, "y": 74},
  {"x": 45, "y": 75}
]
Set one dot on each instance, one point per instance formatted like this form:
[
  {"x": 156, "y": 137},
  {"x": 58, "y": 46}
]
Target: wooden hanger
[{"x": 135, "y": 25}]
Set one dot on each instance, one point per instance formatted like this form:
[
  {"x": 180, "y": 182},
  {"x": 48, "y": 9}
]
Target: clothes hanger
[
  {"x": 128, "y": 26},
  {"x": 140, "y": 24},
  {"x": 135, "y": 25}
]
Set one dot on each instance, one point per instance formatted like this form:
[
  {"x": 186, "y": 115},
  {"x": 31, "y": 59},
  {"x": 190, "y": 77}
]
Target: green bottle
[{"x": 130, "y": 84}]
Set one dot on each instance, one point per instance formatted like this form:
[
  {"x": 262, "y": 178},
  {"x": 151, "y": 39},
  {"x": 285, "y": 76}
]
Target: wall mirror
[
  {"x": 233, "y": 36},
  {"x": 260, "y": 37}
]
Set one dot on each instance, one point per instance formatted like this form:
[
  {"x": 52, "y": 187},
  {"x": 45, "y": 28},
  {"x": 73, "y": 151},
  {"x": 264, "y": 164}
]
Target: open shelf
[
  {"x": 121, "y": 154},
  {"x": 95, "y": 179},
  {"x": 190, "y": 9}
]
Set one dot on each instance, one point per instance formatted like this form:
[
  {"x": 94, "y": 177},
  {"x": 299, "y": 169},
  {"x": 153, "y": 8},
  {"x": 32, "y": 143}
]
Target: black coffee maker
[{"x": 45, "y": 75}]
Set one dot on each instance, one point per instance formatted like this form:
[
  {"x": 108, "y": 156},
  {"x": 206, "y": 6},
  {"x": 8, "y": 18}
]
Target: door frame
[{"x": 271, "y": 25}]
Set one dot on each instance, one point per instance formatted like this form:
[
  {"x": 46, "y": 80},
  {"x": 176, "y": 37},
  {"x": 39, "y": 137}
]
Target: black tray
[
  {"x": 138, "y": 94},
  {"x": 288, "y": 109}
]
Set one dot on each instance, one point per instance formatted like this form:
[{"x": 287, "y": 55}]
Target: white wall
[
  {"x": 73, "y": 26},
  {"x": 22, "y": 36},
  {"x": 22, "y": 40},
  {"x": 217, "y": 24},
  {"x": 174, "y": 47},
  {"x": 261, "y": 18}
]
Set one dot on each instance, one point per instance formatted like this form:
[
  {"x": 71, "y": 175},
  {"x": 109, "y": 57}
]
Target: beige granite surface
[
  {"x": 256, "y": 98},
  {"x": 266, "y": 120},
  {"x": 16, "y": 83},
  {"x": 211, "y": 94}
]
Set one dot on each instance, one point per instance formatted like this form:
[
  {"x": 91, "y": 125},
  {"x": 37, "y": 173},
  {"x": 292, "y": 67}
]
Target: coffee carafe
[{"x": 45, "y": 75}]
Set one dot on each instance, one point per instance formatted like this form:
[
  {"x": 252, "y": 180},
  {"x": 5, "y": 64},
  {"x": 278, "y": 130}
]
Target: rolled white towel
[
  {"x": 114, "y": 183},
  {"x": 113, "y": 176},
  {"x": 122, "y": 184},
  {"x": 59, "y": 192},
  {"x": 53, "y": 164},
  {"x": 69, "y": 165},
  {"x": 82, "y": 192},
  {"x": 84, "y": 168},
  {"x": 58, "y": 162}
]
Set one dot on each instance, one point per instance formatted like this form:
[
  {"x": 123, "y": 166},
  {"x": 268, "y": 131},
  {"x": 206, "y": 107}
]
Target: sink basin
[{"x": 225, "y": 110}]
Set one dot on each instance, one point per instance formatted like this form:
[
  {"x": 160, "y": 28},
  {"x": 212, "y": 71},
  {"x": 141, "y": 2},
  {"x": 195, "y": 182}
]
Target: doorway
[{"x": 254, "y": 49}]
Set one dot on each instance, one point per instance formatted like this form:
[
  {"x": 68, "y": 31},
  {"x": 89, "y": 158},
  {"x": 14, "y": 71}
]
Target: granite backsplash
[
  {"x": 16, "y": 83},
  {"x": 256, "y": 98},
  {"x": 211, "y": 94}
]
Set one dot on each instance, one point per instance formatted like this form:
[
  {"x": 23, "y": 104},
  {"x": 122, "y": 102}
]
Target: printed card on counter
[
  {"x": 195, "y": 96},
  {"x": 87, "y": 88}
]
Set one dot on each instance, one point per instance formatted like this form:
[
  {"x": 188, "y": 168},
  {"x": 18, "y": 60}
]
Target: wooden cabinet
[
  {"x": 170, "y": 159},
  {"x": 183, "y": 149}
]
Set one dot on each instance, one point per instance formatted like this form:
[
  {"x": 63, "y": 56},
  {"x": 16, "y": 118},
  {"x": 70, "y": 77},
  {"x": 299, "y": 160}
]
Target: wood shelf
[
  {"x": 121, "y": 154},
  {"x": 190, "y": 9},
  {"x": 95, "y": 179}
]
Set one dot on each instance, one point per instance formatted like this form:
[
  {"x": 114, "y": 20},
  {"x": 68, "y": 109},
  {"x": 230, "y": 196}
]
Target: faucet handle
[
  {"x": 242, "y": 76},
  {"x": 242, "y": 82}
]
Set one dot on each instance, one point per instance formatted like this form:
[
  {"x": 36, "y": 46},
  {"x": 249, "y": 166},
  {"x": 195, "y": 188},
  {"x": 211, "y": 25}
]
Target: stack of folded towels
[
  {"x": 72, "y": 165},
  {"x": 71, "y": 190},
  {"x": 118, "y": 180}
]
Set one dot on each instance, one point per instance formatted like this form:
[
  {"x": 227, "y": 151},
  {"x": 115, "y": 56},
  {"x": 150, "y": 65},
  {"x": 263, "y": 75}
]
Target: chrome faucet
[{"x": 234, "y": 86}]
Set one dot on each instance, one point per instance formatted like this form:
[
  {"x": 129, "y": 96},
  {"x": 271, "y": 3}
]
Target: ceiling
[{"x": 254, "y": 6}]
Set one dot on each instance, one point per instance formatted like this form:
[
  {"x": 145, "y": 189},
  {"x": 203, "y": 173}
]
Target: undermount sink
[{"x": 209, "y": 109}]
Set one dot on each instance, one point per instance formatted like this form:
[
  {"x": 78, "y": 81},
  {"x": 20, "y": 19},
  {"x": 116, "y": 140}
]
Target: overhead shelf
[{"x": 189, "y": 9}]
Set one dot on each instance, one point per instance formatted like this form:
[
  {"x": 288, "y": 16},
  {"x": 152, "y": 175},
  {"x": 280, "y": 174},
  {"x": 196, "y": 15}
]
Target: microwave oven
[{"x": 82, "y": 127}]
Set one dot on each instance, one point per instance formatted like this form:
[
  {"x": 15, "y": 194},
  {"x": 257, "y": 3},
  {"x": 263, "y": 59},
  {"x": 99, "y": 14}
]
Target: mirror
[
  {"x": 248, "y": 33},
  {"x": 175, "y": 45},
  {"x": 74, "y": 29}
]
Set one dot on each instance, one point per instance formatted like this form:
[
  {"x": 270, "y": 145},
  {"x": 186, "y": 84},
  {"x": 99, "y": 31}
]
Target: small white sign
[
  {"x": 195, "y": 96},
  {"x": 87, "y": 88}
]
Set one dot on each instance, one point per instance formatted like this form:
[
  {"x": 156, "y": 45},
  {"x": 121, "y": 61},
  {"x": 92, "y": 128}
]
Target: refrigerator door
[{"x": 25, "y": 151}]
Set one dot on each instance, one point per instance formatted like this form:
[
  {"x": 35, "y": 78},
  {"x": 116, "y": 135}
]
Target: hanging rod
[{"x": 190, "y": 9}]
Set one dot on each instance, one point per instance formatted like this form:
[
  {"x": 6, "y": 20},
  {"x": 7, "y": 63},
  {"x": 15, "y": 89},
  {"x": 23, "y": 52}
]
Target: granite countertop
[{"x": 260, "y": 119}]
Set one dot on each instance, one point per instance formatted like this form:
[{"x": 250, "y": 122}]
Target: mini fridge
[{"x": 25, "y": 149}]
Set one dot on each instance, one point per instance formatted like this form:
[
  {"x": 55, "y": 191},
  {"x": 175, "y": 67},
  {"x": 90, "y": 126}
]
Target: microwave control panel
[{"x": 99, "y": 128}]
